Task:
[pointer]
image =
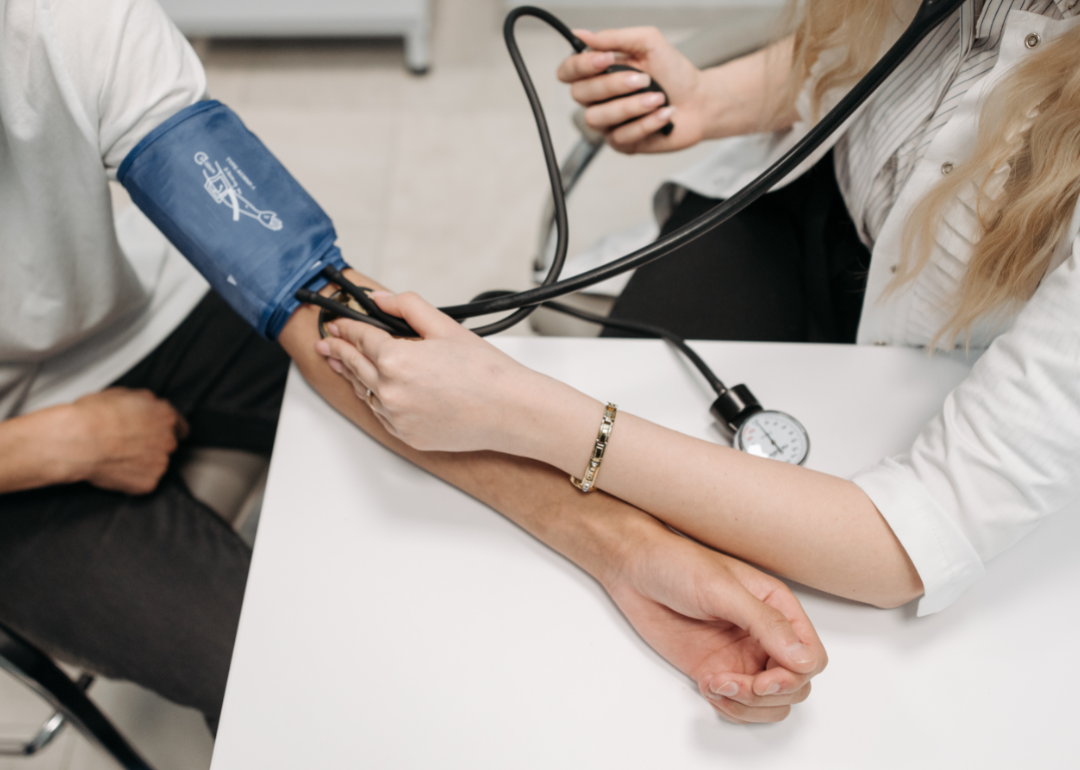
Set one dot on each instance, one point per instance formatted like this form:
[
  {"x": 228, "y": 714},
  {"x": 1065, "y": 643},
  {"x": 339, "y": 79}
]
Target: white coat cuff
[{"x": 942, "y": 555}]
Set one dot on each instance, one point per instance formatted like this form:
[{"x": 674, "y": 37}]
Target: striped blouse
[{"x": 876, "y": 156}]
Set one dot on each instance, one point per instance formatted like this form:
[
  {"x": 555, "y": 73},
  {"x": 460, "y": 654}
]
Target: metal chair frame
[{"x": 37, "y": 671}]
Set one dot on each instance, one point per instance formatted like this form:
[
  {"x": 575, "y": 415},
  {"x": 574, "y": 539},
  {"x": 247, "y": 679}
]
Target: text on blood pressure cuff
[{"x": 231, "y": 208}]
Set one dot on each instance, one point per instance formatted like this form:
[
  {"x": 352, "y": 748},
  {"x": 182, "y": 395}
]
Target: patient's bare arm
[
  {"x": 118, "y": 439},
  {"x": 715, "y": 618}
]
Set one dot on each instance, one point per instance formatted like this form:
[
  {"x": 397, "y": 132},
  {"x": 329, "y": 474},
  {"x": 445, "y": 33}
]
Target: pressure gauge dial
[
  {"x": 761, "y": 432},
  {"x": 778, "y": 436}
]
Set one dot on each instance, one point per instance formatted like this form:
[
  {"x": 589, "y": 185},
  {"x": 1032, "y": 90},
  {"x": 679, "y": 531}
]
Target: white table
[{"x": 391, "y": 621}]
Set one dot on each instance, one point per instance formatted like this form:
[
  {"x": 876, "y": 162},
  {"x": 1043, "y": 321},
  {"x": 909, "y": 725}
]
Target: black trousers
[
  {"x": 788, "y": 268},
  {"x": 149, "y": 588}
]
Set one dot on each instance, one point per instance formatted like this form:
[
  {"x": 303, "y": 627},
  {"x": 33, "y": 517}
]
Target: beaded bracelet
[{"x": 588, "y": 479}]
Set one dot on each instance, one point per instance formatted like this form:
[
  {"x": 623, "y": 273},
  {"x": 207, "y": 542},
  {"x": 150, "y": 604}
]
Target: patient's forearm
[
  {"x": 30, "y": 455},
  {"x": 591, "y": 530}
]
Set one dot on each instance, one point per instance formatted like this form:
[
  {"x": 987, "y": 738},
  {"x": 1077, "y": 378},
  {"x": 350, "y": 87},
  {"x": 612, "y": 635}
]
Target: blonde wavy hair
[{"x": 1029, "y": 130}]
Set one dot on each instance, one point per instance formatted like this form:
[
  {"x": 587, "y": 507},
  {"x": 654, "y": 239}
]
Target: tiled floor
[{"x": 436, "y": 184}]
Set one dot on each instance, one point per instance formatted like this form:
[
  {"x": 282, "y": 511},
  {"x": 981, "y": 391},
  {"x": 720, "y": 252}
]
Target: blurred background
[{"x": 435, "y": 182}]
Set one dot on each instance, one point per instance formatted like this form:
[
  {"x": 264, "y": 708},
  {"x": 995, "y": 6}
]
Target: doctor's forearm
[
  {"x": 819, "y": 529},
  {"x": 746, "y": 94}
]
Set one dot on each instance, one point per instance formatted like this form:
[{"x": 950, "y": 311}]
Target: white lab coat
[{"x": 1005, "y": 449}]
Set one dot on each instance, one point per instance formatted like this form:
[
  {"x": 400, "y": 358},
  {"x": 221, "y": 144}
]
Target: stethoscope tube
[
  {"x": 562, "y": 224},
  {"x": 929, "y": 15}
]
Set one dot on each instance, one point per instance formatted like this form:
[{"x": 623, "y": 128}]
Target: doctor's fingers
[
  {"x": 384, "y": 421},
  {"x": 421, "y": 315},
  {"x": 369, "y": 340},
  {"x": 358, "y": 364},
  {"x": 359, "y": 387},
  {"x": 584, "y": 65},
  {"x": 643, "y": 134},
  {"x": 603, "y": 87},
  {"x": 607, "y": 116},
  {"x": 368, "y": 396},
  {"x": 626, "y": 42}
]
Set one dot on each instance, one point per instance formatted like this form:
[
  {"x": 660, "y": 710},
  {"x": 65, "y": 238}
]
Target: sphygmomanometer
[{"x": 266, "y": 246}]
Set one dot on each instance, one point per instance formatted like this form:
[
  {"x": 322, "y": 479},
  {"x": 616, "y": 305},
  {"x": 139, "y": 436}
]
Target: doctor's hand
[
  {"x": 741, "y": 635},
  {"x": 449, "y": 391},
  {"x": 631, "y": 124}
]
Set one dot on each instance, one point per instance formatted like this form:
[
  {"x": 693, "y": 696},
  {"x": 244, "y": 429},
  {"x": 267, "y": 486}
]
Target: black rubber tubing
[{"x": 929, "y": 15}]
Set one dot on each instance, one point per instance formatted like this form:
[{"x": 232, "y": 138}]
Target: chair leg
[
  {"x": 53, "y": 726},
  {"x": 34, "y": 669}
]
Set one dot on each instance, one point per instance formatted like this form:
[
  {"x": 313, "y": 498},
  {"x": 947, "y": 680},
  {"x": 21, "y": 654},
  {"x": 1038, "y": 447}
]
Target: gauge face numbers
[{"x": 775, "y": 435}]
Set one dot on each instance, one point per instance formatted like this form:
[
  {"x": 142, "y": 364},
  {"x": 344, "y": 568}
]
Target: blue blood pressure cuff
[{"x": 233, "y": 210}]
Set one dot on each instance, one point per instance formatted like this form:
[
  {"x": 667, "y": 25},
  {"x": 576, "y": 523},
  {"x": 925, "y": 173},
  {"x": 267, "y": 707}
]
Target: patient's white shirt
[{"x": 83, "y": 299}]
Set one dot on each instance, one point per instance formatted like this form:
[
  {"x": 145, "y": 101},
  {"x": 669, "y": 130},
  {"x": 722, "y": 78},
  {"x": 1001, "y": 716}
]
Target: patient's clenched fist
[{"x": 121, "y": 439}]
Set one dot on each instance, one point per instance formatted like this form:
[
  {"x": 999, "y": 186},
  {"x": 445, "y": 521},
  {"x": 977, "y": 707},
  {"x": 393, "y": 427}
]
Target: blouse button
[
  {"x": 881, "y": 343},
  {"x": 946, "y": 167},
  {"x": 893, "y": 269},
  {"x": 1032, "y": 40}
]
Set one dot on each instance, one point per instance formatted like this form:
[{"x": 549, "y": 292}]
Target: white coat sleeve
[{"x": 1003, "y": 453}]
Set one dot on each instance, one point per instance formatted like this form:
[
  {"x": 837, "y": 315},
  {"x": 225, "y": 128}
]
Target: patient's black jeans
[
  {"x": 149, "y": 588},
  {"x": 788, "y": 268}
]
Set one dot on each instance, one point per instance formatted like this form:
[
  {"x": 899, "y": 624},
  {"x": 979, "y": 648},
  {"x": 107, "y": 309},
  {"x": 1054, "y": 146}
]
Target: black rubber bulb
[{"x": 653, "y": 86}]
